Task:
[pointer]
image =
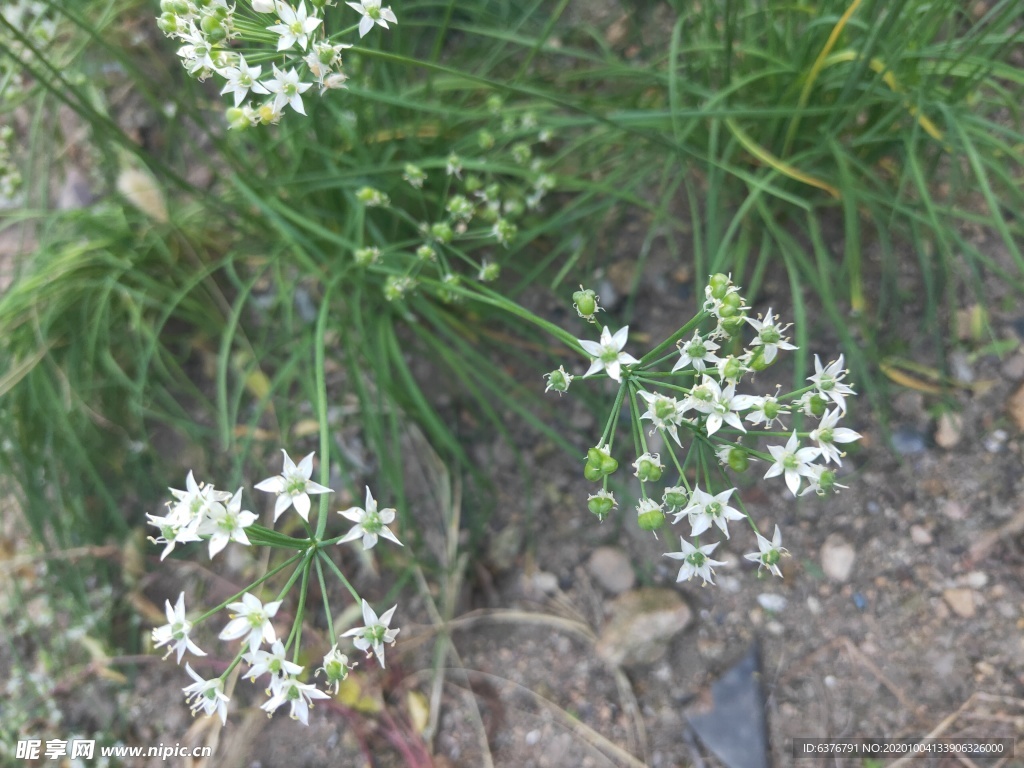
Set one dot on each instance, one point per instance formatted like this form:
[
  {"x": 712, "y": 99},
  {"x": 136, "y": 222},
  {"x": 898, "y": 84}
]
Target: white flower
[
  {"x": 293, "y": 486},
  {"x": 287, "y": 89},
  {"x": 264, "y": 6},
  {"x": 718, "y": 404},
  {"x": 828, "y": 434},
  {"x": 195, "y": 502},
  {"x": 829, "y": 381},
  {"x": 271, "y": 662},
  {"x": 372, "y": 14},
  {"x": 665, "y": 413},
  {"x": 207, "y": 695},
  {"x": 295, "y": 26},
  {"x": 227, "y": 523},
  {"x": 252, "y": 618},
  {"x": 769, "y": 336},
  {"x": 705, "y": 509},
  {"x": 822, "y": 481},
  {"x": 297, "y": 695},
  {"x": 369, "y": 523},
  {"x": 241, "y": 79},
  {"x": 770, "y": 552},
  {"x": 176, "y": 631},
  {"x": 335, "y": 668},
  {"x": 766, "y": 410},
  {"x": 376, "y": 633},
  {"x": 697, "y": 352},
  {"x": 792, "y": 460},
  {"x": 608, "y": 355},
  {"x": 695, "y": 561},
  {"x": 173, "y": 532}
]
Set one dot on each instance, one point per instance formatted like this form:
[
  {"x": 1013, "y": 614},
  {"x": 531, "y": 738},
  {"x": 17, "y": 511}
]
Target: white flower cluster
[
  {"x": 201, "y": 510},
  {"x": 216, "y": 36},
  {"x": 251, "y": 622},
  {"x": 34, "y": 27},
  {"x": 10, "y": 176},
  {"x": 698, "y": 396}
]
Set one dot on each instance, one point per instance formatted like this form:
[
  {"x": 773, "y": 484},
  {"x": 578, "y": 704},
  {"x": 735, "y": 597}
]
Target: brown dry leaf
[{"x": 1015, "y": 407}]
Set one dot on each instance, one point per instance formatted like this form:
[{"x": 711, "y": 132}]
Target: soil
[{"x": 922, "y": 636}]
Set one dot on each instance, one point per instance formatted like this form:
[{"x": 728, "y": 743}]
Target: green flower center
[
  {"x": 696, "y": 559},
  {"x": 771, "y": 409},
  {"x": 714, "y": 509},
  {"x": 696, "y": 350},
  {"x": 771, "y": 557},
  {"x": 826, "y": 383},
  {"x": 825, "y": 436},
  {"x": 790, "y": 461},
  {"x": 664, "y": 409},
  {"x": 770, "y": 335}
]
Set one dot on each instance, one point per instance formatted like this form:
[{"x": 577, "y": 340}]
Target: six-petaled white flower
[
  {"x": 227, "y": 523},
  {"x": 175, "y": 631},
  {"x": 829, "y": 381},
  {"x": 207, "y": 695},
  {"x": 769, "y": 336},
  {"x": 607, "y": 353},
  {"x": 241, "y": 79},
  {"x": 293, "y": 486},
  {"x": 369, "y": 523},
  {"x": 251, "y": 620},
  {"x": 828, "y": 434},
  {"x": 376, "y": 632},
  {"x": 769, "y": 552},
  {"x": 272, "y": 662},
  {"x": 295, "y": 26},
  {"x": 792, "y": 461},
  {"x": 697, "y": 352},
  {"x": 706, "y": 509},
  {"x": 695, "y": 561},
  {"x": 299, "y": 696},
  {"x": 372, "y": 13},
  {"x": 335, "y": 668},
  {"x": 287, "y": 89}
]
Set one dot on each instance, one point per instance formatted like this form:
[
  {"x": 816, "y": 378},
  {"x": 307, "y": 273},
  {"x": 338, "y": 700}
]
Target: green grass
[{"x": 755, "y": 138}]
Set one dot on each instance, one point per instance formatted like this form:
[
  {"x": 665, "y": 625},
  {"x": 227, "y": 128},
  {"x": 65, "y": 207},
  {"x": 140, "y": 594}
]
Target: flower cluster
[
  {"x": 695, "y": 406},
  {"x": 10, "y": 176},
  {"x": 480, "y": 204},
  {"x": 202, "y": 512},
  {"x": 24, "y": 25},
  {"x": 216, "y": 36}
]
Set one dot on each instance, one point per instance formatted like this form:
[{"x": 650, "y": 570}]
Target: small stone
[
  {"x": 961, "y": 601},
  {"x": 772, "y": 603},
  {"x": 907, "y": 441},
  {"x": 641, "y": 624},
  {"x": 949, "y": 429},
  {"x": 995, "y": 441},
  {"x": 919, "y": 535},
  {"x": 837, "y": 558},
  {"x": 975, "y": 579},
  {"x": 1013, "y": 366},
  {"x": 814, "y": 605},
  {"x": 610, "y": 567},
  {"x": 545, "y": 582}
]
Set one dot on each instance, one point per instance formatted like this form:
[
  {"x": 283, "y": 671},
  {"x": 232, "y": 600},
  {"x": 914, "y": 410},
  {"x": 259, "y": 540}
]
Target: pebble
[
  {"x": 954, "y": 510},
  {"x": 919, "y": 535},
  {"x": 545, "y": 582},
  {"x": 961, "y": 601},
  {"x": 837, "y": 558},
  {"x": 949, "y": 429},
  {"x": 611, "y": 568},
  {"x": 1013, "y": 366},
  {"x": 908, "y": 441},
  {"x": 641, "y": 624},
  {"x": 975, "y": 579},
  {"x": 995, "y": 441},
  {"x": 773, "y": 603}
]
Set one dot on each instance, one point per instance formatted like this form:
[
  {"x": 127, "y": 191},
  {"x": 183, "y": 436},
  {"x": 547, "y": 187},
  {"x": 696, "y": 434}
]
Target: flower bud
[
  {"x": 213, "y": 28},
  {"x": 442, "y": 232}
]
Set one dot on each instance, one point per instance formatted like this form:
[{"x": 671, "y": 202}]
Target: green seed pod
[
  {"x": 585, "y": 302},
  {"x": 214, "y": 28},
  {"x": 600, "y": 504},
  {"x": 738, "y": 460},
  {"x": 719, "y": 284},
  {"x": 650, "y": 517},
  {"x": 593, "y": 472},
  {"x": 675, "y": 497},
  {"x": 608, "y": 464}
]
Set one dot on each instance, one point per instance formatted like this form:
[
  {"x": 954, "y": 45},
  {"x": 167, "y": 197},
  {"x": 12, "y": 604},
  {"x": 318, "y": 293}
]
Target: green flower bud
[
  {"x": 442, "y": 232},
  {"x": 558, "y": 380},
  {"x": 648, "y": 468},
  {"x": 473, "y": 183},
  {"x": 585, "y": 303},
  {"x": 237, "y": 118},
  {"x": 733, "y": 325},
  {"x": 485, "y": 139},
  {"x": 818, "y": 405},
  {"x": 214, "y": 28},
  {"x": 732, "y": 369}
]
